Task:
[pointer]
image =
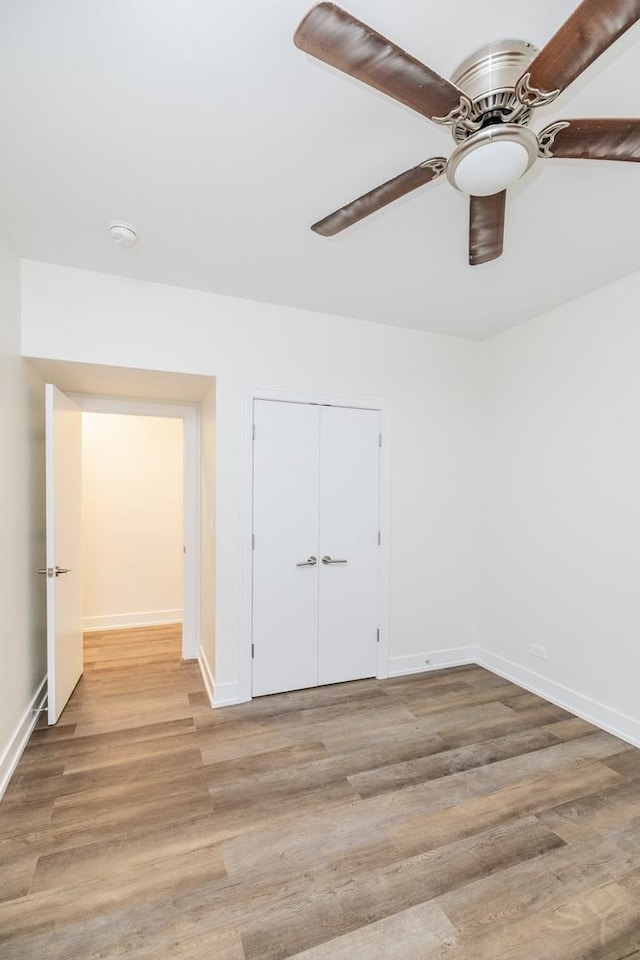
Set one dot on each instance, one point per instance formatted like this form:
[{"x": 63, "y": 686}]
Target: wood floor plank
[
  {"x": 438, "y": 816},
  {"x": 296, "y": 926},
  {"x": 473, "y": 816},
  {"x": 602, "y": 923},
  {"x": 485, "y": 907},
  {"x": 570, "y": 729},
  {"x": 627, "y": 763},
  {"x": 447, "y": 762},
  {"x": 61, "y": 905},
  {"x": 406, "y": 936}
]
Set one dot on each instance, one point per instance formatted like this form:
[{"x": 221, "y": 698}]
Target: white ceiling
[{"x": 201, "y": 123}]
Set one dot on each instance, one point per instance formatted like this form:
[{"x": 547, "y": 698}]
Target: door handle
[
  {"x": 328, "y": 560},
  {"x": 60, "y": 570},
  {"x": 47, "y": 572},
  {"x": 309, "y": 562}
]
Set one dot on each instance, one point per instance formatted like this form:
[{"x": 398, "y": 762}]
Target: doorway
[
  {"x": 132, "y": 522},
  {"x": 165, "y": 561}
]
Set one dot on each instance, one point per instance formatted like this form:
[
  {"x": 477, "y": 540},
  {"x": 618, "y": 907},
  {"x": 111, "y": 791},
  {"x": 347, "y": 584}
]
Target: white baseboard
[
  {"x": 225, "y": 694},
  {"x": 14, "y": 749},
  {"x": 207, "y": 676},
  {"x": 431, "y": 660},
  {"x": 619, "y": 724},
  {"x": 220, "y": 694},
  {"x": 120, "y": 621}
]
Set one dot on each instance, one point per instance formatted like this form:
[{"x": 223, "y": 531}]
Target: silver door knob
[
  {"x": 328, "y": 560},
  {"x": 60, "y": 570},
  {"x": 309, "y": 562}
]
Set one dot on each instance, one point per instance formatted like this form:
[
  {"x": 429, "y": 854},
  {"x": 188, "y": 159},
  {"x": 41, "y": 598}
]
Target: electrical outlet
[{"x": 537, "y": 650}]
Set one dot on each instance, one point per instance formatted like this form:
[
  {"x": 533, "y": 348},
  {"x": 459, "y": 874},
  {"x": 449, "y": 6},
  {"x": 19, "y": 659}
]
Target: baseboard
[
  {"x": 220, "y": 694},
  {"x": 207, "y": 676},
  {"x": 120, "y": 621},
  {"x": 431, "y": 660},
  {"x": 14, "y": 749},
  {"x": 225, "y": 694},
  {"x": 619, "y": 724}
]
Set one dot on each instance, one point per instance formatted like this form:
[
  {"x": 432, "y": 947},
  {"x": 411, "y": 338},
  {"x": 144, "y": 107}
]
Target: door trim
[
  {"x": 248, "y": 395},
  {"x": 190, "y": 416}
]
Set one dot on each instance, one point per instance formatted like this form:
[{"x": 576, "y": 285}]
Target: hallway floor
[{"x": 449, "y": 816}]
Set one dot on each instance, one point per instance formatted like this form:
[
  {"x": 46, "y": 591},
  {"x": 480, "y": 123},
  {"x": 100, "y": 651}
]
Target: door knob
[
  {"x": 60, "y": 570},
  {"x": 328, "y": 560},
  {"x": 309, "y": 562}
]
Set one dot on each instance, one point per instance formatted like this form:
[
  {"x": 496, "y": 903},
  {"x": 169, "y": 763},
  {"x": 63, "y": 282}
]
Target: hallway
[{"x": 450, "y": 815}]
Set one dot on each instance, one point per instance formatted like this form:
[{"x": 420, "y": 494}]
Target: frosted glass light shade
[
  {"x": 492, "y": 159},
  {"x": 491, "y": 168}
]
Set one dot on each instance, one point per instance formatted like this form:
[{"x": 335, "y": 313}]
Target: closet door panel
[
  {"x": 349, "y": 517},
  {"x": 285, "y": 524}
]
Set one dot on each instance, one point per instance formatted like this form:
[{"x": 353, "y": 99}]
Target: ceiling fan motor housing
[{"x": 488, "y": 77}]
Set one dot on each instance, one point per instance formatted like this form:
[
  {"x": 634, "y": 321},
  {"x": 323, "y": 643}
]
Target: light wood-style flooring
[{"x": 448, "y": 816}]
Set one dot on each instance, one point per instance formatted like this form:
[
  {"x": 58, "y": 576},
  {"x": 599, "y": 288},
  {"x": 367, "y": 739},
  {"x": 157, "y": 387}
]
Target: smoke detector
[{"x": 123, "y": 234}]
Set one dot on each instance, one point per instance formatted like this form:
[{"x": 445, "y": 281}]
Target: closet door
[
  {"x": 349, "y": 523},
  {"x": 285, "y": 555}
]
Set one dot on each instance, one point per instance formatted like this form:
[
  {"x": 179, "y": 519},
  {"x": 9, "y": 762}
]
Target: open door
[{"x": 63, "y": 444}]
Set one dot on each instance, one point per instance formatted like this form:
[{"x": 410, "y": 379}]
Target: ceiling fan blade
[
  {"x": 592, "y": 27},
  {"x": 379, "y": 197},
  {"x": 334, "y": 36},
  {"x": 486, "y": 227},
  {"x": 592, "y": 139}
]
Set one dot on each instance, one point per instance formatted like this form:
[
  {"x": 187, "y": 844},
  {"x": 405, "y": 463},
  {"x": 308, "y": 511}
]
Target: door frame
[
  {"x": 190, "y": 416},
  {"x": 249, "y": 394}
]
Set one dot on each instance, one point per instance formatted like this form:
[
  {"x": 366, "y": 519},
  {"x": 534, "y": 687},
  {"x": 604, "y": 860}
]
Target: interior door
[
  {"x": 348, "y": 548},
  {"x": 63, "y": 445},
  {"x": 285, "y": 560}
]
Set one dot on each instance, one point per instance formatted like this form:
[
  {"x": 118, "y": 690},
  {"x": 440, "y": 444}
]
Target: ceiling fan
[{"x": 488, "y": 104}]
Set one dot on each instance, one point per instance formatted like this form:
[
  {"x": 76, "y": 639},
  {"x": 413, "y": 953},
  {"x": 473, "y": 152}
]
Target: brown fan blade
[
  {"x": 380, "y": 197},
  {"x": 592, "y": 27},
  {"x": 486, "y": 227},
  {"x": 592, "y": 139},
  {"x": 334, "y": 36}
]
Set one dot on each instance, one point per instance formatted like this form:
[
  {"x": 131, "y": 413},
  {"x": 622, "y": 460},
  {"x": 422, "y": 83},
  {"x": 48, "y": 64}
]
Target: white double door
[{"x": 315, "y": 556}]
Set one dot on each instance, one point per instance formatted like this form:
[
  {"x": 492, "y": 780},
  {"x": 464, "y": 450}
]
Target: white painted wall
[
  {"x": 560, "y": 528},
  {"x": 22, "y": 591},
  {"x": 431, "y": 382},
  {"x": 132, "y": 520}
]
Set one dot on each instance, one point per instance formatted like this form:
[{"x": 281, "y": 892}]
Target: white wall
[
  {"x": 431, "y": 382},
  {"x": 22, "y": 591},
  {"x": 132, "y": 520},
  {"x": 560, "y": 529}
]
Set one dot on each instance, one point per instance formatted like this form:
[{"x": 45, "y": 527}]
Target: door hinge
[
  {"x": 378, "y": 635},
  {"x": 379, "y": 538},
  {"x": 253, "y": 541},
  {"x": 253, "y": 651},
  {"x": 253, "y": 431},
  {"x": 379, "y": 439}
]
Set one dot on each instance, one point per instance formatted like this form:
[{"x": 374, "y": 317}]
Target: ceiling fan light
[
  {"x": 491, "y": 168},
  {"x": 491, "y": 160}
]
